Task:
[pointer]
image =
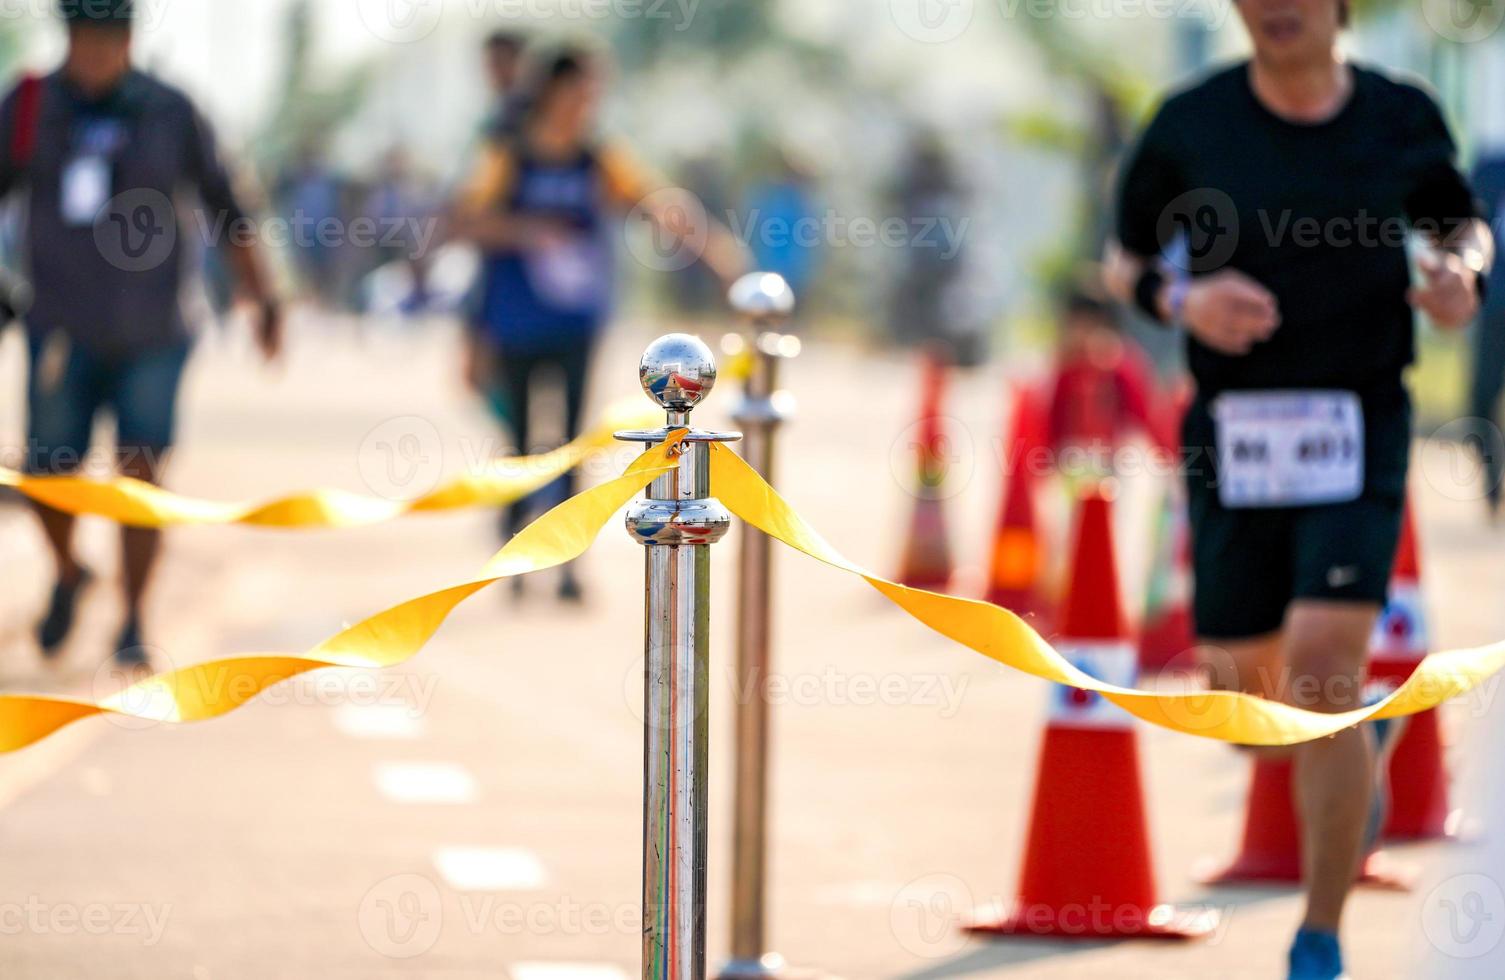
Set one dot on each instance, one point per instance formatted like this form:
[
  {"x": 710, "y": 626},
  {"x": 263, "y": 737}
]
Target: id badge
[
  {"x": 1289, "y": 448},
  {"x": 85, "y": 189}
]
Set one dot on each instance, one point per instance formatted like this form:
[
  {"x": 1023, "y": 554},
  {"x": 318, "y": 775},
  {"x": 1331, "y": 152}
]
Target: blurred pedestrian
[
  {"x": 930, "y": 199},
  {"x": 503, "y": 54},
  {"x": 540, "y": 207},
  {"x": 401, "y": 207},
  {"x": 1298, "y": 342},
  {"x": 1488, "y": 381},
  {"x": 696, "y": 292},
  {"x": 101, "y": 153},
  {"x": 311, "y": 197},
  {"x": 782, "y": 225}
]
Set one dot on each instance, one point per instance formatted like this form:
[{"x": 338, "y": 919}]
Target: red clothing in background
[{"x": 1101, "y": 402}]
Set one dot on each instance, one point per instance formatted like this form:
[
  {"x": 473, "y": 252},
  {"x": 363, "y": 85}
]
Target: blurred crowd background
[
  {"x": 988, "y": 130},
  {"x": 928, "y": 175}
]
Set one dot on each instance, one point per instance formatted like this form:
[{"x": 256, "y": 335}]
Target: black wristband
[{"x": 1147, "y": 292}]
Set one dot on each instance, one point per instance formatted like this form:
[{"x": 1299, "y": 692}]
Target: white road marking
[
  {"x": 379, "y": 721},
  {"x": 24, "y": 771},
  {"x": 566, "y": 971},
  {"x": 480, "y": 869},
  {"x": 859, "y": 893},
  {"x": 425, "y": 782}
]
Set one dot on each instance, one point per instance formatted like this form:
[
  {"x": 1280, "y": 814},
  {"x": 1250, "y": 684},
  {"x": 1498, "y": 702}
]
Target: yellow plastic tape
[
  {"x": 742, "y": 364},
  {"x": 1000, "y": 635},
  {"x": 139, "y": 504},
  {"x": 387, "y": 639}
]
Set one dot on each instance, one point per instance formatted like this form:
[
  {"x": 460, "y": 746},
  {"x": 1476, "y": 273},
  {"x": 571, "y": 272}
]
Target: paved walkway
[{"x": 477, "y": 813}]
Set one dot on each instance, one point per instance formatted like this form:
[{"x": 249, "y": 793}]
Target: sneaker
[
  {"x": 58, "y": 622},
  {"x": 129, "y": 651},
  {"x": 1315, "y": 955}
]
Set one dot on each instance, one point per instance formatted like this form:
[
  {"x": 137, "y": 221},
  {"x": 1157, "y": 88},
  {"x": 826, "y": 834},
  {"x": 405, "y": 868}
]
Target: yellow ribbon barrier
[
  {"x": 1000, "y": 635},
  {"x": 389, "y": 638},
  {"x": 139, "y": 504}
]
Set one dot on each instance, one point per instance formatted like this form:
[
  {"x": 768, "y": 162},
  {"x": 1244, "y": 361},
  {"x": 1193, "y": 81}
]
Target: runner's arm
[
  {"x": 1222, "y": 308},
  {"x": 1451, "y": 292},
  {"x": 216, "y": 188},
  {"x": 480, "y": 214},
  {"x": 9, "y": 173},
  {"x": 1442, "y": 207},
  {"x": 675, "y": 211},
  {"x": 14, "y": 292}
]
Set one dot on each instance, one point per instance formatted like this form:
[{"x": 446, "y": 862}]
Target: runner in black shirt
[{"x": 1269, "y": 210}]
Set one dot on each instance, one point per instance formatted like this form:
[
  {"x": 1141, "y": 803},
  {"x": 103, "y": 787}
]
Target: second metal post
[{"x": 766, "y": 301}]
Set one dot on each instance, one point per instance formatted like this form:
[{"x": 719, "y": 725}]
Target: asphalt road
[{"x": 477, "y": 813}]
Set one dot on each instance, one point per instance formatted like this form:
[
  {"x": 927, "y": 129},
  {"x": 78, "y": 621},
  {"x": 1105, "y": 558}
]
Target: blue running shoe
[{"x": 1315, "y": 955}]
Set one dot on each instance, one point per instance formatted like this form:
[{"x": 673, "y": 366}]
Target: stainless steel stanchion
[
  {"x": 764, "y": 301},
  {"x": 678, "y": 521}
]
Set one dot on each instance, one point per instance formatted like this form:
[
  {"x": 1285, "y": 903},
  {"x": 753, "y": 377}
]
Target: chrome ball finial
[
  {"x": 762, "y": 296},
  {"x": 677, "y": 371}
]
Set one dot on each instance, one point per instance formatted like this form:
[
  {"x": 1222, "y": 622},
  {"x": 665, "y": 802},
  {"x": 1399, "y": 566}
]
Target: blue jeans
[{"x": 69, "y": 385}]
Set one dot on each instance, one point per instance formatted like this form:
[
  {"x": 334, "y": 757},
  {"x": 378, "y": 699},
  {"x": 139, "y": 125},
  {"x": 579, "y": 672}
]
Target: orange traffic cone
[
  {"x": 926, "y": 561},
  {"x": 1270, "y": 851},
  {"x": 1167, "y": 631},
  {"x": 1087, "y": 868},
  {"x": 1014, "y": 572},
  {"x": 1271, "y": 847},
  {"x": 1418, "y": 776}
]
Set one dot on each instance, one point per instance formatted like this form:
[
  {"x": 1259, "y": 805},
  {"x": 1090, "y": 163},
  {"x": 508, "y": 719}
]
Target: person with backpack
[{"x": 104, "y": 157}]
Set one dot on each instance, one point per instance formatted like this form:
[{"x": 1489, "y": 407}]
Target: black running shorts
[{"x": 1249, "y": 564}]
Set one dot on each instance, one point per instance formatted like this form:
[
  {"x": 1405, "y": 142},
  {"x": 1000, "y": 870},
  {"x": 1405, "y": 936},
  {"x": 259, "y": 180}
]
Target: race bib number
[
  {"x": 1289, "y": 448},
  {"x": 85, "y": 190}
]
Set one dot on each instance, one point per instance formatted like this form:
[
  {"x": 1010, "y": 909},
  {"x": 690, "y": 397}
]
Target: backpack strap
[{"x": 23, "y": 134}]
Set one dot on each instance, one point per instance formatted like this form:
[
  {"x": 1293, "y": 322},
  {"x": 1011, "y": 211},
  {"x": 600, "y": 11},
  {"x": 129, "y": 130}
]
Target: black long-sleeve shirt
[{"x": 1319, "y": 214}]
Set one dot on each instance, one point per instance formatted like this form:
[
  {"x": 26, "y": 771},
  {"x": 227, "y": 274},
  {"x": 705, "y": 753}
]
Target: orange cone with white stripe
[
  {"x": 1418, "y": 776},
  {"x": 926, "y": 560},
  {"x": 1014, "y": 570},
  {"x": 1087, "y": 867},
  {"x": 1270, "y": 849}
]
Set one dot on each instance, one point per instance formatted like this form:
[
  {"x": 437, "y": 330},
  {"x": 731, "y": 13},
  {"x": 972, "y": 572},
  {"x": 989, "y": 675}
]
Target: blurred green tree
[{"x": 310, "y": 103}]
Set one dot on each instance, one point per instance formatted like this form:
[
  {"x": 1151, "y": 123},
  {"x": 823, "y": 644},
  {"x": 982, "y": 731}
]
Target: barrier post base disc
[{"x": 1082, "y": 922}]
